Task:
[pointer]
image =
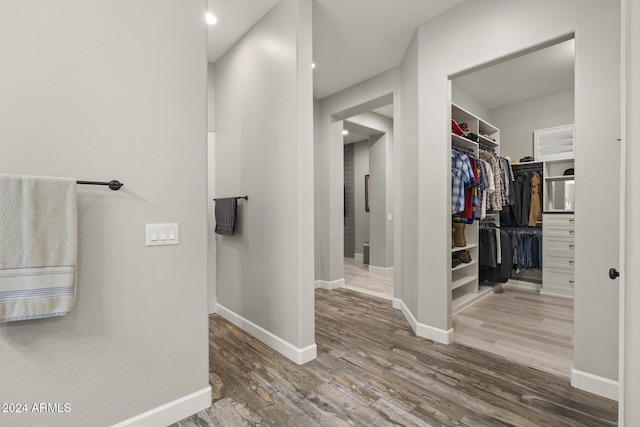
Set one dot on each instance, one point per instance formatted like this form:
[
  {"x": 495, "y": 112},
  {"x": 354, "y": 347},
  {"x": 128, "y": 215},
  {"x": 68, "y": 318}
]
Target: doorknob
[{"x": 613, "y": 273}]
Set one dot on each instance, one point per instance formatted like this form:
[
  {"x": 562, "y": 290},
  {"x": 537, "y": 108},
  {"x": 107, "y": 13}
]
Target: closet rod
[
  {"x": 238, "y": 197},
  {"x": 115, "y": 185},
  {"x": 462, "y": 148}
]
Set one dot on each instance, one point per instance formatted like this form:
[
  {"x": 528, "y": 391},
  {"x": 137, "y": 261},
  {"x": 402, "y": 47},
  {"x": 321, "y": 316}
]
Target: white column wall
[
  {"x": 105, "y": 90},
  {"x": 630, "y": 271},
  {"x": 527, "y": 24},
  {"x": 264, "y": 149}
]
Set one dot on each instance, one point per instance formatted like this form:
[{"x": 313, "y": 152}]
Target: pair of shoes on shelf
[
  {"x": 464, "y": 257},
  {"x": 461, "y": 257}
]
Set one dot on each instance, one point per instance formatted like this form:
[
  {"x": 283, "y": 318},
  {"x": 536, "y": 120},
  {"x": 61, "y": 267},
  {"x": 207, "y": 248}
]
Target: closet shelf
[
  {"x": 463, "y": 281},
  {"x": 463, "y": 265},
  {"x": 489, "y": 142},
  {"x": 462, "y": 140},
  {"x": 561, "y": 178},
  {"x": 463, "y": 248}
]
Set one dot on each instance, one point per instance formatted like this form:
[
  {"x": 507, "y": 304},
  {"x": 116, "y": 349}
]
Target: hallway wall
[
  {"x": 264, "y": 149},
  {"x": 107, "y": 90},
  {"x": 629, "y": 266},
  {"x": 596, "y": 26}
]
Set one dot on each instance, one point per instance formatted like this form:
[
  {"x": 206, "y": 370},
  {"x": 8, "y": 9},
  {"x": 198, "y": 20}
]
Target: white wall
[
  {"x": 596, "y": 25},
  {"x": 464, "y": 100},
  {"x": 100, "y": 91},
  {"x": 211, "y": 98},
  {"x": 211, "y": 187},
  {"x": 629, "y": 270},
  {"x": 361, "y": 157},
  {"x": 211, "y": 221},
  {"x": 264, "y": 149},
  {"x": 518, "y": 121}
]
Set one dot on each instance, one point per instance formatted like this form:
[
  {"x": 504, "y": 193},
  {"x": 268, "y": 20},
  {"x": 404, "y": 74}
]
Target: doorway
[
  {"x": 522, "y": 308},
  {"x": 368, "y": 247}
]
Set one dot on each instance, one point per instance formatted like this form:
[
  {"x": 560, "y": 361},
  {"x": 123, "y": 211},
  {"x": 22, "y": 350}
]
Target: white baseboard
[
  {"x": 383, "y": 271},
  {"x": 171, "y": 412},
  {"x": 522, "y": 285},
  {"x": 359, "y": 257},
  {"x": 594, "y": 384},
  {"x": 546, "y": 293},
  {"x": 288, "y": 350},
  {"x": 323, "y": 284},
  {"x": 422, "y": 330}
]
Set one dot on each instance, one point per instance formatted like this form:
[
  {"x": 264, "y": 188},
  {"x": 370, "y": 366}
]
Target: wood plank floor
[
  {"x": 525, "y": 327},
  {"x": 372, "y": 370},
  {"x": 357, "y": 278}
]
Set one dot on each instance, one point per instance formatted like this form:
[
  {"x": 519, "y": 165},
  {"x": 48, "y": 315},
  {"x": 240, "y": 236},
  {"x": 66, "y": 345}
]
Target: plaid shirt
[{"x": 461, "y": 178}]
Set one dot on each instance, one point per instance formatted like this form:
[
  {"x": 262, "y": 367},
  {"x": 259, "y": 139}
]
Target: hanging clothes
[
  {"x": 462, "y": 177},
  {"x": 535, "y": 210}
]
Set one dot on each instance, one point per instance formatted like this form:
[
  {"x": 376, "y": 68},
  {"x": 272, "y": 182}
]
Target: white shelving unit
[
  {"x": 463, "y": 279},
  {"x": 554, "y": 147}
]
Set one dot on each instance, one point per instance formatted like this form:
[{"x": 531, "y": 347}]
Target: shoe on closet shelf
[
  {"x": 458, "y": 235},
  {"x": 464, "y": 257},
  {"x": 455, "y": 260},
  {"x": 455, "y": 128}
]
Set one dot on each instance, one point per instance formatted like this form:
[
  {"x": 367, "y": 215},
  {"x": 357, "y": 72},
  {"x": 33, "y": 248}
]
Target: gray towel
[
  {"x": 226, "y": 216},
  {"x": 38, "y": 246}
]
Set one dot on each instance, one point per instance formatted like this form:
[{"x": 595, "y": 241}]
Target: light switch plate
[{"x": 163, "y": 234}]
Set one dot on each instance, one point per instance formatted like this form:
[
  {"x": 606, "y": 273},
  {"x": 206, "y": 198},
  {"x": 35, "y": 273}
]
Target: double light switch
[{"x": 163, "y": 234}]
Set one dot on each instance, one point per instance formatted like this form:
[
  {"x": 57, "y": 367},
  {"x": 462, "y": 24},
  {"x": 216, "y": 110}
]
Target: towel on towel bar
[
  {"x": 38, "y": 246},
  {"x": 226, "y": 215}
]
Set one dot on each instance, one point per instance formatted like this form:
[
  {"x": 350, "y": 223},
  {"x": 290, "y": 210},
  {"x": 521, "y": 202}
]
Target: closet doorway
[
  {"x": 512, "y": 256},
  {"x": 368, "y": 202}
]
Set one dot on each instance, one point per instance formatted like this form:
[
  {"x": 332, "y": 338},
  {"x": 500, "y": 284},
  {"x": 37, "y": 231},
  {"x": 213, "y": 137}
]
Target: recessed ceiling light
[
  {"x": 313, "y": 65},
  {"x": 345, "y": 132},
  {"x": 211, "y": 19}
]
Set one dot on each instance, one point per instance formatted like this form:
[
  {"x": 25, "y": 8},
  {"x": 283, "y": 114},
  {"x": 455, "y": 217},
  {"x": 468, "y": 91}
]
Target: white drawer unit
[
  {"x": 557, "y": 244},
  {"x": 557, "y": 281},
  {"x": 558, "y": 249}
]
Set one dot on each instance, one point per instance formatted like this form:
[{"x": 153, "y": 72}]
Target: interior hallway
[
  {"x": 357, "y": 278},
  {"x": 372, "y": 370}
]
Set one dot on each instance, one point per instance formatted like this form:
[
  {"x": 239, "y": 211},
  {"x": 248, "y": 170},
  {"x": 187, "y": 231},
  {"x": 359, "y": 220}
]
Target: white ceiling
[
  {"x": 387, "y": 111},
  {"x": 235, "y": 17},
  {"x": 534, "y": 75},
  {"x": 358, "y": 132},
  {"x": 353, "y": 40}
]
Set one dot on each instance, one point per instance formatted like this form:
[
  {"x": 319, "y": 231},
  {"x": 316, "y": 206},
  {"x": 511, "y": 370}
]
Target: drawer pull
[
  {"x": 571, "y": 262},
  {"x": 571, "y": 246},
  {"x": 572, "y": 221},
  {"x": 571, "y": 282},
  {"x": 571, "y": 232}
]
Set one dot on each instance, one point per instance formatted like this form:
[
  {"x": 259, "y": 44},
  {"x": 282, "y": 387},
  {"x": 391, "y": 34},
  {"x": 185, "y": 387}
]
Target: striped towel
[
  {"x": 226, "y": 215},
  {"x": 38, "y": 246}
]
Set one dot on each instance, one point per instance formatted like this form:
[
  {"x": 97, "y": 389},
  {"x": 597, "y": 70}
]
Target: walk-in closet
[{"x": 513, "y": 208}]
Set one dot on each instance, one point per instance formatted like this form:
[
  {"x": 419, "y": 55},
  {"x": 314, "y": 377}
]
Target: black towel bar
[
  {"x": 114, "y": 184},
  {"x": 239, "y": 197}
]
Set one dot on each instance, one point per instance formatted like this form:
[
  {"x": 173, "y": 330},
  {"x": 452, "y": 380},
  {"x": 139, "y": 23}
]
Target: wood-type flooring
[
  {"x": 372, "y": 370},
  {"x": 525, "y": 327}
]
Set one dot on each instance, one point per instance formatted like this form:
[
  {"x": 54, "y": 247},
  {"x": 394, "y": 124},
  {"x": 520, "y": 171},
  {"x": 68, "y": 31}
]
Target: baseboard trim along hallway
[
  {"x": 322, "y": 284},
  {"x": 425, "y": 331},
  {"x": 599, "y": 386},
  {"x": 288, "y": 350},
  {"x": 171, "y": 412},
  {"x": 383, "y": 271}
]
